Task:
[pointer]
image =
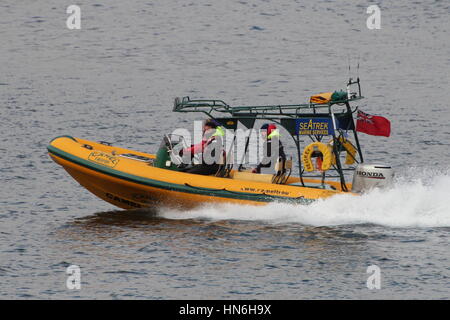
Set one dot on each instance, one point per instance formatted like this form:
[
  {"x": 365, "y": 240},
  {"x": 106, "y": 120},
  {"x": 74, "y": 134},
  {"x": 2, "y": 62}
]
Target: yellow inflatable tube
[{"x": 127, "y": 179}]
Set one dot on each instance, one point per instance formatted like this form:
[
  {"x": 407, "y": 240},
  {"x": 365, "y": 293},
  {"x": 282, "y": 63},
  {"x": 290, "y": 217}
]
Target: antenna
[
  {"x": 349, "y": 68},
  {"x": 357, "y": 69}
]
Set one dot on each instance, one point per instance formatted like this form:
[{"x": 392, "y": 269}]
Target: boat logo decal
[
  {"x": 372, "y": 175},
  {"x": 103, "y": 159},
  {"x": 314, "y": 126}
]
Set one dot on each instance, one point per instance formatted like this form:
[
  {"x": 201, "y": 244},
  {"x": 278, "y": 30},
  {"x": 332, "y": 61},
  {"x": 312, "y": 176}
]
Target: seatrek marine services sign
[{"x": 314, "y": 126}]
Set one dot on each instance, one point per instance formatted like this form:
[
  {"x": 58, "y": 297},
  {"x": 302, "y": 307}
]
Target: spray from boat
[{"x": 413, "y": 201}]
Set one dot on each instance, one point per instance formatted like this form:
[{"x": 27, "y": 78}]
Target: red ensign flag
[{"x": 373, "y": 125}]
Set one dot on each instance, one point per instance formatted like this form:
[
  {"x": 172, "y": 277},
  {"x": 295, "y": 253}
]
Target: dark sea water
[{"x": 115, "y": 80}]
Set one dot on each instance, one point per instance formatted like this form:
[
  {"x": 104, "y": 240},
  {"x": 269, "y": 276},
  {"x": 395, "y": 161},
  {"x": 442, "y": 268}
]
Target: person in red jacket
[{"x": 212, "y": 135}]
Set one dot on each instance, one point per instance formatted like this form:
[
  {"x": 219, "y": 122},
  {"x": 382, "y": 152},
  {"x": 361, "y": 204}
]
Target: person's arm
[{"x": 196, "y": 148}]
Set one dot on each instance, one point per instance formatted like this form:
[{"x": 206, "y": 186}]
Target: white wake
[{"x": 413, "y": 201}]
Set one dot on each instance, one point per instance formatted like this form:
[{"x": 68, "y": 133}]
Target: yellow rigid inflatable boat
[
  {"x": 127, "y": 179},
  {"x": 132, "y": 179}
]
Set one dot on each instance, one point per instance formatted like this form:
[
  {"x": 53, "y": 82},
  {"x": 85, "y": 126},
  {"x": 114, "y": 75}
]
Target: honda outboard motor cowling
[{"x": 369, "y": 176}]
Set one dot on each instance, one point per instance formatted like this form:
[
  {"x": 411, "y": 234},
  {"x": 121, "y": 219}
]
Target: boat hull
[{"x": 130, "y": 183}]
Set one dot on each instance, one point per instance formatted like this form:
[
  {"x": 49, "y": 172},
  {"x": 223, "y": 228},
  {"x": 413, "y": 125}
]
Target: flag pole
[{"x": 355, "y": 134}]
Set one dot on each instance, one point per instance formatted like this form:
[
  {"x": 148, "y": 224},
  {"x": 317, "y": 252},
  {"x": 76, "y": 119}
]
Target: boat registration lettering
[
  {"x": 122, "y": 200},
  {"x": 103, "y": 159}
]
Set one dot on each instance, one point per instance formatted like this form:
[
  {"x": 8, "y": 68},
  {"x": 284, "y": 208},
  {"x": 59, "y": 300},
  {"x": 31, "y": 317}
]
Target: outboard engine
[{"x": 369, "y": 176}]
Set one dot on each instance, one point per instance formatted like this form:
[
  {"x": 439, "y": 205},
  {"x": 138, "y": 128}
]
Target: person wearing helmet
[
  {"x": 211, "y": 142},
  {"x": 273, "y": 148}
]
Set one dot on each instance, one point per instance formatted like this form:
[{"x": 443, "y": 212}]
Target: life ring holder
[{"x": 326, "y": 153}]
